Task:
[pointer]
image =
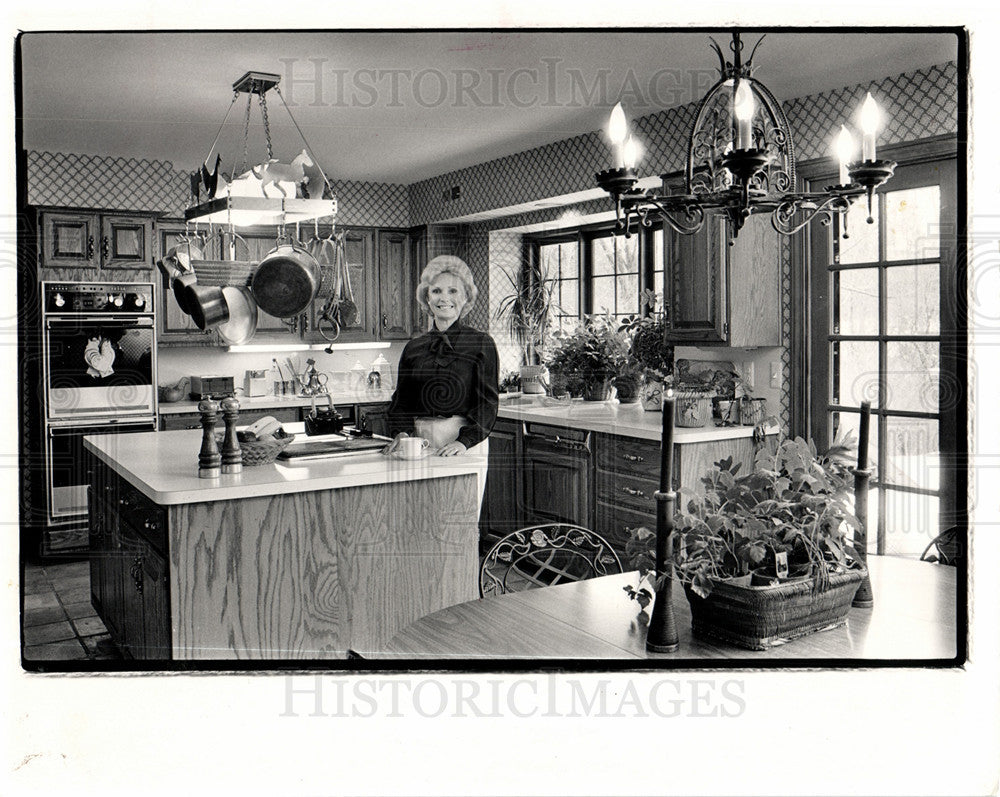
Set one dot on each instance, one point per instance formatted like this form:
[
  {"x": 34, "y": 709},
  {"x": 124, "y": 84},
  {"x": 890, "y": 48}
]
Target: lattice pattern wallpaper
[
  {"x": 89, "y": 181},
  {"x": 919, "y": 104}
]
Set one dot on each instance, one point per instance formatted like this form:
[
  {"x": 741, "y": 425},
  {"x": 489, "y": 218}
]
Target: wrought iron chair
[
  {"x": 545, "y": 555},
  {"x": 946, "y": 549}
]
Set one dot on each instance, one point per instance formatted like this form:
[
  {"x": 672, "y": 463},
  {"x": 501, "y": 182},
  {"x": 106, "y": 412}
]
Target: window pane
[
  {"x": 569, "y": 267},
  {"x": 628, "y": 254},
  {"x": 856, "y": 302},
  {"x": 912, "y": 223},
  {"x": 855, "y": 368},
  {"x": 603, "y": 254},
  {"x": 569, "y": 302},
  {"x": 548, "y": 259},
  {"x": 861, "y": 245},
  {"x": 912, "y": 381},
  {"x": 658, "y": 250},
  {"x": 913, "y": 301},
  {"x": 658, "y": 286},
  {"x": 604, "y": 294},
  {"x": 628, "y": 294},
  {"x": 911, "y": 522},
  {"x": 911, "y": 453},
  {"x": 850, "y": 422}
]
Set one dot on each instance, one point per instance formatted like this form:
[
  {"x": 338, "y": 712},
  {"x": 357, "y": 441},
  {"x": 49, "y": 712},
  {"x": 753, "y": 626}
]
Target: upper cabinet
[
  {"x": 395, "y": 286},
  {"x": 724, "y": 294},
  {"x": 88, "y": 244}
]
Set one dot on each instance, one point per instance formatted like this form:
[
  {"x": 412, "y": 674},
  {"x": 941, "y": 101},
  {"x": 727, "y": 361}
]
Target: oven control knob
[
  {"x": 139, "y": 300},
  {"x": 58, "y": 300},
  {"x": 118, "y": 300}
]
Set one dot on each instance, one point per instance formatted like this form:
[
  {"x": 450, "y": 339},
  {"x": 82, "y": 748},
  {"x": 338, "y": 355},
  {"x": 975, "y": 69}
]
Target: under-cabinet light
[{"x": 265, "y": 347}]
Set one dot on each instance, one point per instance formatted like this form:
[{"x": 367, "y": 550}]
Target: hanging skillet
[{"x": 286, "y": 280}]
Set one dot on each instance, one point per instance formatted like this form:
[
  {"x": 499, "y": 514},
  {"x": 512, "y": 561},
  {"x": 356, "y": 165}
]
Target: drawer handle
[
  {"x": 632, "y": 458},
  {"x": 136, "y": 572},
  {"x": 150, "y": 525},
  {"x": 90, "y": 247},
  {"x": 630, "y": 491}
]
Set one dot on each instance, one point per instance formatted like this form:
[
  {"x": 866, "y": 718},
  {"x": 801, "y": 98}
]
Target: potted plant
[
  {"x": 649, "y": 350},
  {"x": 628, "y": 382},
  {"x": 789, "y": 516},
  {"x": 594, "y": 353},
  {"x": 527, "y": 311}
]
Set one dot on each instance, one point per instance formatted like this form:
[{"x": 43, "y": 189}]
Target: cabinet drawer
[
  {"x": 628, "y": 455},
  {"x": 614, "y": 523},
  {"x": 627, "y": 490},
  {"x": 123, "y": 504}
]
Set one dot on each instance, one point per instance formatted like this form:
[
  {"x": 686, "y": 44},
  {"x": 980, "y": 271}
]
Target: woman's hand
[
  {"x": 452, "y": 449},
  {"x": 394, "y": 444}
]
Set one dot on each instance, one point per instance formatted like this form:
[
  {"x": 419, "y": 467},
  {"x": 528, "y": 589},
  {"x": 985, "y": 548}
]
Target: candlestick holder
[
  {"x": 661, "y": 637},
  {"x": 232, "y": 455},
  {"x": 863, "y": 598},
  {"x": 870, "y": 175},
  {"x": 209, "y": 458}
]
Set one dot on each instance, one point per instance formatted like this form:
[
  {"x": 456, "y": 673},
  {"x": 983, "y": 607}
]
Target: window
[
  {"x": 883, "y": 297},
  {"x": 598, "y": 271}
]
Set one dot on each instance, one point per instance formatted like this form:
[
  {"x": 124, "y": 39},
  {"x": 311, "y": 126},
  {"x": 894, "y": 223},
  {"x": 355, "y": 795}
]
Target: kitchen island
[{"x": 280, "y": 562}]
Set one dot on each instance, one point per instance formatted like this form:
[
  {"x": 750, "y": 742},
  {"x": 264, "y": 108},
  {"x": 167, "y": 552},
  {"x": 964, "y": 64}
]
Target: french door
[{"x": 885, "y": 328}]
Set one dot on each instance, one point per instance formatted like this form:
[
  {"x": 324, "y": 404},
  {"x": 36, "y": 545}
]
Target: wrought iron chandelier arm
[{"x": 811, "y": 204}]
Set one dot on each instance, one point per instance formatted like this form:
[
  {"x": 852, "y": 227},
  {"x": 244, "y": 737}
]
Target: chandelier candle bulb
[
  {"x": 630, "y": 153},
  {"x": 617, "y": 129},
  {"x": 743, "y": 111},
  {"x": 845, "y": 153},
  {"x": 869, "y": 127}
]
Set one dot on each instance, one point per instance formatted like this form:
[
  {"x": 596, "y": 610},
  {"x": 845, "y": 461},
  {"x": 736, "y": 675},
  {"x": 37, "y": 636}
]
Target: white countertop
[
  {"x": 163, "y": 466},
  {"x": 270, "y": 402},
  {"x": 610, "y": 417}
]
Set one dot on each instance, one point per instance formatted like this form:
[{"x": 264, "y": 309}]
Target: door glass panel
[
  {"x": 911, "y": 453},
  {"x": 912, "y": 381},
  {"x": 913, "y": 305},
  {"x": 911, "y": 522},
  {"x": 850, "y": 422},
  {"x": 861, "y": 245},
  {"x": 856, "y": 302},
  {"x": 603, "y": 256},
  {"x": 127, "y": 242},
  {"x": 855, "y": 366},
  {"x": 912, "y": 220}
]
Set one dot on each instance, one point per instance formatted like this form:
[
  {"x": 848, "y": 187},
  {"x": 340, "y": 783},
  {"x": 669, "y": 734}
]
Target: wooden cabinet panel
[
  {"x": 627, "y": 490},
  {"x": 695, "y": 283},
  {"x": 615, "y": 524},
  {"x": 69, "y": 240},
  {"x": 629, "y": 455},
  {"x": 126, "y": 242},
  {"x": 556, "y": 481},
  {"x": 82, "y": 245},
  {"x": 155, "y": 582},
  {"x": 755, "y": 285},
  {"x": 394, "y": 286},
  {"x": 192, "y": 420},
  {"x": 501, "y": 511}
]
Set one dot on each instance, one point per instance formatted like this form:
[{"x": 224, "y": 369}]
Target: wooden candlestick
[
  {"x": 232, "y": 456},
  {"x": 863, "y": 598},
  {"x": 661, "y": 637},
  {"x": 209, "y": 458}
]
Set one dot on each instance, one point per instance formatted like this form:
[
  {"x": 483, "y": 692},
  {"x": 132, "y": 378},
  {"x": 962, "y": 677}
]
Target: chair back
[{"x": 545, "y": 555}]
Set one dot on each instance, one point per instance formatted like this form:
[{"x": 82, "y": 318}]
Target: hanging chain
[
  {"x": 246, "y": 139},
  {"x": 267, "y": 126}
]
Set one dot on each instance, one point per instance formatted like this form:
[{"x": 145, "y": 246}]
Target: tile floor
[{"x": 60, "y": 624}]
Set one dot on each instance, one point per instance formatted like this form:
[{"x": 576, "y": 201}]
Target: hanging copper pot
[{"x": 286, "y": 280}]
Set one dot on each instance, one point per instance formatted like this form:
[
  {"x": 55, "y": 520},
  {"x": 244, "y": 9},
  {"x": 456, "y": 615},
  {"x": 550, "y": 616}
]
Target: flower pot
[
  {"x": 727, "y": 411},
  {"x": 752, "y": 411},
  {"x": 651, "y": 394},
  {"x": 531, "y": 378},
  {"x": 628, "y": 389},
  {"x": 558, "y": 384},
  {"x": 692, "y": 411},
  {"x": 597, "y": 390}
]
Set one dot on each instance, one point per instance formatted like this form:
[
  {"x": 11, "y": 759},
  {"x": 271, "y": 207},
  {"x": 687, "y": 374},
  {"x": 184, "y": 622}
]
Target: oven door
[
  {"x": 64, "y": 465},
  {"x": 99, "y": 367}
]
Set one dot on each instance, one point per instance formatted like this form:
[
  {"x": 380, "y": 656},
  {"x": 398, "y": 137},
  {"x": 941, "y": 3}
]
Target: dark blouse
[{"x": 448, "y": 373}]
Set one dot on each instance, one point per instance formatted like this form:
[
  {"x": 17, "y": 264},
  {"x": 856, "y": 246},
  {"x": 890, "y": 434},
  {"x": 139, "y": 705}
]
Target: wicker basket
[
  {"x": 263, "y": 452},
  {"x": 760, "y": 617}
]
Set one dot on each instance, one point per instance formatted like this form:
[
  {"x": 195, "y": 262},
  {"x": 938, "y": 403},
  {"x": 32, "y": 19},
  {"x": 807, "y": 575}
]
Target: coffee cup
[{"x": 412, "y": 447}]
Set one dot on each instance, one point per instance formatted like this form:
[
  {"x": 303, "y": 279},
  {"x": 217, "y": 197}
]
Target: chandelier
[
  {"x": 271, "y": 192},
  {"x": 741, "y": 161}
]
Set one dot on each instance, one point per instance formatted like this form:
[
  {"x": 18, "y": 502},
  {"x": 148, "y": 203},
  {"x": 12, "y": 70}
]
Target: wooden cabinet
[
  {"x": 192, "y": 420},
  {"x": 395, "y": 286},
  {"x": 374, "y": 418},
  {"x": 556, "y": 479},
  {"x": 173, "y": 326},
  {"x": 724, "y": 294},
  {"x": 93, "y": 243},
  {"x": 501, "y": 509}
]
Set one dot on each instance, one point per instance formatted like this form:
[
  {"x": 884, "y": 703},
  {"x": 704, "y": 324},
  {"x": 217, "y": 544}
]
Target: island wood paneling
[{"x": 310, "y": 575}]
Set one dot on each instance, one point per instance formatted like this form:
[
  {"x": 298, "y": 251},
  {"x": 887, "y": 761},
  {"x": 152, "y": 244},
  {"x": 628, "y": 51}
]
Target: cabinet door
[
  {"x": 501, "y": 512},
  {"x": 695, "y": 284},
  {"x": 359, "y": 246},
  {"x": 173, "y": 325},
  {"x": 394, "y": 286},
  {"x": 556, "y": 482},
  {"x": 126, "y": 242},
  {"x": 156, "y": 606},
  {"x": 754, "y": 285},
  {"x": 69, "y": 240}
]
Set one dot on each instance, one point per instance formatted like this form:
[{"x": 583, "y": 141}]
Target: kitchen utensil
[
  {"x": 182, "y": 285},
  {"x": 286, "y": 280},
  {"x": 207, "y": 305},
  {"x": 327, "y": 421},
  {"x": 172, "y": 393},
  {"x": 348, "y": 309},
  {"x": 242, "y": 323}
]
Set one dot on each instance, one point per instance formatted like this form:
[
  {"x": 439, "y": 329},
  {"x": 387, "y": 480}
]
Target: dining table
[{"x": 916, "y": 617}]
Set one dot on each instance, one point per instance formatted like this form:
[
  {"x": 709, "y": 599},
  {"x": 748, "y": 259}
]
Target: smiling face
[{"x": 446, "y": 298}]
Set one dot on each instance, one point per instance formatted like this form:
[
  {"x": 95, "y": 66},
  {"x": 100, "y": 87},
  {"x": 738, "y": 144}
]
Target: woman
[{"x": 446, "y": 390}]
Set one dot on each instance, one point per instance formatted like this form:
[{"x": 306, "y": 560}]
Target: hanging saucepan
[
  {"x": 242, "y": 323},
  {"x": 178, "y": 258},
  {"x": 286, "y": 280},
  {"x": 207, "y": 305}
]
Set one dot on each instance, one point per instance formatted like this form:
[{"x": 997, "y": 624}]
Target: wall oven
[{"x": 98, "y": 377}]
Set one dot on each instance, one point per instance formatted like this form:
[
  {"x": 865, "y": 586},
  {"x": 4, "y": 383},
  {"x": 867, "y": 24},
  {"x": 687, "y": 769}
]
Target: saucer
[{"x": 424, "y": 453}]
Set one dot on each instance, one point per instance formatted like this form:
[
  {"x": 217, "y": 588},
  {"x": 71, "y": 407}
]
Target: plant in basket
[
  {"x": 594, "y": 353},
  {"x": 766, "y": 555}
]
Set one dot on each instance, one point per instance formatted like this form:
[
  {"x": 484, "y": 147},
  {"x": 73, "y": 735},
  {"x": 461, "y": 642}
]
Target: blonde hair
[{"x": 447, "y": 264}]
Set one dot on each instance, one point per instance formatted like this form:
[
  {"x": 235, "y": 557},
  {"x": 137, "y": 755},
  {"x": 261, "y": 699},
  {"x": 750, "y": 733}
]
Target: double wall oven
[{"x": 99, "y": 377}]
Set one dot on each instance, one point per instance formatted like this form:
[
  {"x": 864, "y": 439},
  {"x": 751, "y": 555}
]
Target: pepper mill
[
  {"x": 232, "y": 456},
  {"x": 209, "y": 458}
]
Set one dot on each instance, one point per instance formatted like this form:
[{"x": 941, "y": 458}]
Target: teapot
[
  {"x": 313, "y": 382},
  {"x": 171, "y": 393}
]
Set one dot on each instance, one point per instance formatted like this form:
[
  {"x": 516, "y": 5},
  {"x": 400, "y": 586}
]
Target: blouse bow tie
[{"x": 441, "y": 347}]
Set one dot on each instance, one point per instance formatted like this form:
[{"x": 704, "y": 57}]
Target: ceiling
[{"x": 403, "y": 106}]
